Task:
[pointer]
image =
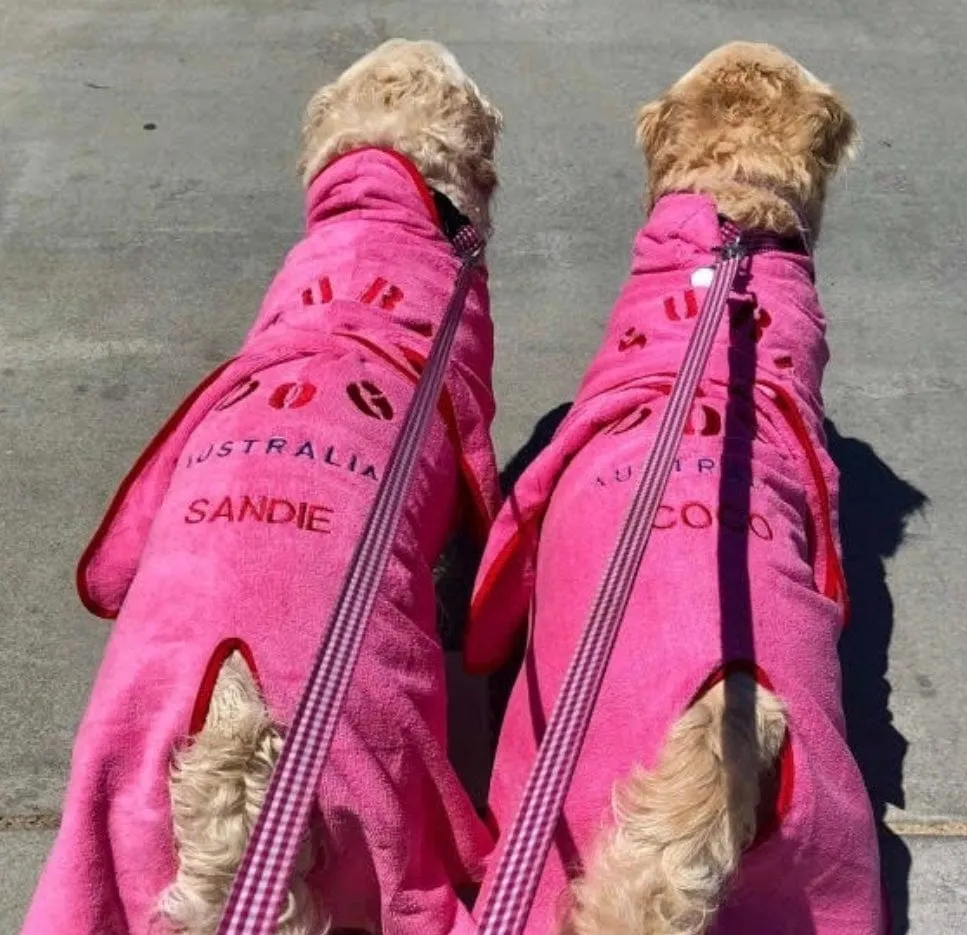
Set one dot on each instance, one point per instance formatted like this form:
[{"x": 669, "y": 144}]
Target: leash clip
[
  {"x": 468, "y": 243},
  {"x": 733, "y": 250}
]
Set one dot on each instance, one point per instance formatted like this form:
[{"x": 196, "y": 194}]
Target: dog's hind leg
[
  {"x": 680, "y": 829},
  {"x": 218, "y": 784}
]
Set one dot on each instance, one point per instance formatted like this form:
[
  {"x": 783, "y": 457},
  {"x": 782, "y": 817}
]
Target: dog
[
  {"x": 718, "y": 738},
  {"x": 223, "y": 552}
]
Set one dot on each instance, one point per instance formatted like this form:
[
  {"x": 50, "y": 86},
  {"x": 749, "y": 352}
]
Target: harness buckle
[{"x": 734, "y": 249}]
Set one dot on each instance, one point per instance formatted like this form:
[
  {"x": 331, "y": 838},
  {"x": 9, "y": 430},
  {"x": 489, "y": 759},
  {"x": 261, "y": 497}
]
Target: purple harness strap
[
  {"x": 260, "y": 885},
  {"x": 529, "y": 840}
]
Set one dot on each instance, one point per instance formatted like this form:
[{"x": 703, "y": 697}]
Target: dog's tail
[
  {"x": 218, "y": 784},
  {"x": 680, "y": 830}
]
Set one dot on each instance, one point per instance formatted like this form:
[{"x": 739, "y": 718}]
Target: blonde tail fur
[
  {"x": 218, "y": 784},
  {"x": 680, "y": 829}
]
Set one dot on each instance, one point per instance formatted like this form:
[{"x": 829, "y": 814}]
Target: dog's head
[
  {"x": 414, "y": 98},
  {"x": 752, "y": 128}
]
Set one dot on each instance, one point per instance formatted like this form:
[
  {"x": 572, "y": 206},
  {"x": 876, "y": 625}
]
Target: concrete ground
[{"x": 147, "y": 192}]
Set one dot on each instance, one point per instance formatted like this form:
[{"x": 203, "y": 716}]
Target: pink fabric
[
  {"x": 818, "y": 872},
  {"x": 237, "y": 524}
]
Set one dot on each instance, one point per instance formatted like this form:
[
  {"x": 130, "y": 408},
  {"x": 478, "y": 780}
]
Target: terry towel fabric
[
  {"x": 742, "y": 571},
  {"x": 233, "y": 531}
]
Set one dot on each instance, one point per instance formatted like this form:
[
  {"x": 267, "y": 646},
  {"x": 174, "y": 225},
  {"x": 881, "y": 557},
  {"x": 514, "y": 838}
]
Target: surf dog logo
[
  {"x": 380, "y": 292},
  {"x": 751, "y": 319},
  {"x": 370, "y": 400},
  {"x": 632, "y": 338},
  {"x": 292, "y": 395},
  {"x": 691, "y": 307},
  {"x": 703, "y": 419},
  {"x": 235, "y": 396},
  {"x": 365, "y": 395}
]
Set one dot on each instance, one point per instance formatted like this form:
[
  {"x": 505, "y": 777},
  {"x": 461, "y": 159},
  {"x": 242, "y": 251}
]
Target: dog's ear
[
  {"x": 495, "y": 118},
  {"x": 833, "y": 130},
  {"x": 652, "y": 125},
  {"x": 490, "y": 127},
  {"x": 315, "y": 113}
]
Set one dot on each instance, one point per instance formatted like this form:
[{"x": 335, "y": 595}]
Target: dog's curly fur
[
  {"x": 218, "y": 784},
  {"x": 679, "y": 830},
  {"x": 754, "y": 130},
  {"x": 414, "y": 98}
]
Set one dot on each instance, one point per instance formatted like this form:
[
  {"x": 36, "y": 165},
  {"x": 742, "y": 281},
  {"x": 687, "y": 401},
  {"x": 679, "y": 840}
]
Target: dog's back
[
  {"x": 730, "y": 637},
  {"x": 742, "y": 575},
  {"x": 249, "y": 505}
]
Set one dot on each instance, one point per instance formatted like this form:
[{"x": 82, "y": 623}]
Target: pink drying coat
[
  {"x": 234, "y": 531},
  {"x": 742, "y": 572}
]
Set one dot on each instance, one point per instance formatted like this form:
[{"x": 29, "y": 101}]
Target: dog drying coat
[
  {"x": 742, "y": 572},
  {"x": 234, "y": 531}
]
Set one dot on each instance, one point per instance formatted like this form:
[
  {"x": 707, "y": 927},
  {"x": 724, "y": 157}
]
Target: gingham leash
[
  {"x": 528, "y": 843},
  {"x": 261, "y": 883}
]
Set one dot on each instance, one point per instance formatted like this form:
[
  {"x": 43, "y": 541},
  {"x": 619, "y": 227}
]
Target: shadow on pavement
[
  {"x": 540, "y": 438},
  {"x": 874, "y": 507}
]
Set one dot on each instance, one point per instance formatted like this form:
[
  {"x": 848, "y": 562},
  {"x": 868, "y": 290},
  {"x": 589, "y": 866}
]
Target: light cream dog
[{"x": 412, "y": 98}]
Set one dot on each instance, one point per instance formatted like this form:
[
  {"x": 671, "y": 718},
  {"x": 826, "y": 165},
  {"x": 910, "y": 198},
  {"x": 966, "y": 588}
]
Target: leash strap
[
  {"x": 261, "y": 883},
  {"x": 528, "y": 843}
]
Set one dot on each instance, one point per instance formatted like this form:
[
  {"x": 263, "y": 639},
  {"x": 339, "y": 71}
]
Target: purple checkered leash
[
  {"x": 522, "y": 857},
  {"x": 262, "y": 880}
]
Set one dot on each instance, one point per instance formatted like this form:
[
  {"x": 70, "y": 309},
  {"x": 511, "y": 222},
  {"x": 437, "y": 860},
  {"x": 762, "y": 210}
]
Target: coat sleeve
[
  {"x": 109, "y": 562},
  {"x": 506, "y": 577},
  {"x": 504, "y": 585}
]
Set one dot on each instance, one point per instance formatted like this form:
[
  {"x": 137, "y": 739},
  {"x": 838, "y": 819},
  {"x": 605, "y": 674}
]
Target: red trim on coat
[
  {"x": 481, "y": 515},
  {"x": 787, "y": 773},
  {"x": 482, "y": 518},
  {"x": 486, "y": 587},
  {"x": 206, "y": 689},
  {"x": 422, "y": 188},
  {"x": 125, "y": 487},
  {"x": 834, "y": 585}
]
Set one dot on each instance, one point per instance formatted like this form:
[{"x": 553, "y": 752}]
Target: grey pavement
[{"x": 147, "y": 193}]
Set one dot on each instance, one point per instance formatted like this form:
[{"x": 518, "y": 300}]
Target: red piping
[
  {"x": 207, "y": 687},
  {"x": 787, "y": 773},
  {"x": 149, "y": 452},
  {"x": 481, "y": 512},
  {"x": 422, "y": 188},
  {"x": 834, "y": 585}
]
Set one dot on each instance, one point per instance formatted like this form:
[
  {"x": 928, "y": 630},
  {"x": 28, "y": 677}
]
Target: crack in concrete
[
  {"x": 907, "y": 827},
  {"x": 928, "y": 827},
  {"x": 36, "y": 821}
]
